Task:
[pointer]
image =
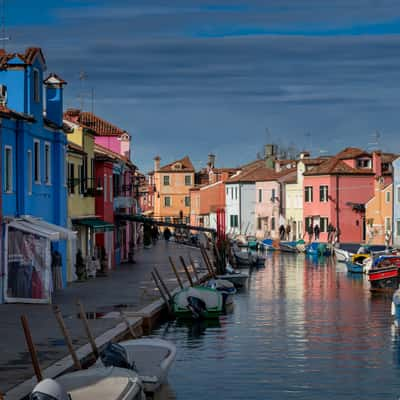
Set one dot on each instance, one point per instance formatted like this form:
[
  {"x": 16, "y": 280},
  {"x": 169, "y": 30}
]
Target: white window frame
[
  {"x": 47, "y": 164},
  {"x": 10, "y": 176},
  {"x": 323, "y": 229},
  {"x": 36, "y": 161},
  {"x": 30, "y": 171},
  {"x": 325, "y": 193},
  {"x": 310, "y": 191}
]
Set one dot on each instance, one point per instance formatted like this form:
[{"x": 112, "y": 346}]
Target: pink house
[{"x": 336, "y": 191}]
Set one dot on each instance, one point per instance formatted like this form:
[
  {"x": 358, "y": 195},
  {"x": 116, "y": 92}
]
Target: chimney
[
  {"x": 270, "y": 155},
  {"x": 54, "y": 98},
  {"x": 304, "y": 154},
  {"x": 157, "y": 160},
  {"x": 377, "y": 164},
  {"x": 211, "y": 161}
]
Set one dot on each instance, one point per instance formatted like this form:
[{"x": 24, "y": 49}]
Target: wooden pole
[
  {"x": 130, "y": 328},
  {"x": 175, "y": 272},
  {"x": 161, "y": 292},
  {"x": 206, "y": 262},
  {"x": 87, "y": 329},
  {"x": 31, "y": 348},
  {"x": 67, "y": 337},
  {"x": 164, "y": 286},
  {"x": 186, "y": 270},
  {"x": 194, "y": 269}
]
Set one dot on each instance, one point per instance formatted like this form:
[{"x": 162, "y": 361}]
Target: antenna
[
  {"x": 3, "y": 34},
  {"x": 375, "y": 143},
  {"x": 82, "y": 78}
]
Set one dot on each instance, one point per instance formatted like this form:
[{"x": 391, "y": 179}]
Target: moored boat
[
  {"x": 238, "y": 278},
  {"x": 197, "y": 303},
  {"x": 223, "y": 286},
  {"x": 110, "y": 383},
  {"x": 342, "y": 255},
  {"x": 396, "y": 307},
  {"x": 356, "y": 264},
  {"x": 384, "y": 273}
]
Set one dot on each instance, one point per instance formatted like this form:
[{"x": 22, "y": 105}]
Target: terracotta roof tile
[
  {"x": 185, "y": 163},
  {"x": 26, "y": 58},
  {"x": 351, "y": 152},
  {"x": 257, "y": 174},
  {"x": 335, "y": 166}
]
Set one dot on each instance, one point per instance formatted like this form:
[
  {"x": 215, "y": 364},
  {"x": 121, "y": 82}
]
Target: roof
[
  {"x": 50, "y": 124},
  {"x": 185, "y": 163},
  {"x": 105, "y": 152},
  {"x": 288, "y": 176},
  {"x": 54, "y": 79},
  {"x": 388, "y": 157},
  {"x": 91, "y": 121},
  {"x": 27, "y": 57},
  {"x": 335, "y": 166},
  {"x": 6, "y": 112},
  {"x": 253, "y": 164},
  {"x": 257, "y": 174},
  {"x": 314, "y": 161},
  {"x": 351, "y": 152}
]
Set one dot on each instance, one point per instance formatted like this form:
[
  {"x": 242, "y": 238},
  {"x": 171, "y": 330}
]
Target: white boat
[
  {"x": 92, "y": 384},
  {"x": 342, "y": 255},
  {"x": 396, "y": 307},
  {"x": 238, "y": 278},
  {"x": 223, "y": 286},
  {"x": 152, "y": 359}
]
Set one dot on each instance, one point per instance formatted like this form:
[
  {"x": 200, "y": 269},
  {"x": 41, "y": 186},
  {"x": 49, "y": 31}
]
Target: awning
[
  {"x": 37, "y": 226},
  {"x": 97, "y": 224}
]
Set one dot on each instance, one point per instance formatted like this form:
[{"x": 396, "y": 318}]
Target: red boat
[{"x": 385, "y": 273}]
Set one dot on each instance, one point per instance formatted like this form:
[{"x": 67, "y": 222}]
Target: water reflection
[{"x": 304, "y": 329}]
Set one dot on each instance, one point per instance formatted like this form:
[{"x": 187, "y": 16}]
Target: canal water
[{"x": 303, "y": 329}]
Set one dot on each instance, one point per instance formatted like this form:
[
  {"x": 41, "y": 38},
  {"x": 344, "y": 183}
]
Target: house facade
[
  {"x": 173, "y": 183},
  {"x": 396, "y": 202},
  {"x": 34, "y": 184}
]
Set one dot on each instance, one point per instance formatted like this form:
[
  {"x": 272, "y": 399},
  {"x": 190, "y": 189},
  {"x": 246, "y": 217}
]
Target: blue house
[
  {"x": 33, "y": 178},
  {"x": 396, "y": 203}
]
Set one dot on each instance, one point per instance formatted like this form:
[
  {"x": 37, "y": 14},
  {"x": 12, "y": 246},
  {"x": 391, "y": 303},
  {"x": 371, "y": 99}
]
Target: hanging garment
[{"x": 37, "y": 286}]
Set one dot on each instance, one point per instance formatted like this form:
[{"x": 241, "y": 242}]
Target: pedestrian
[
  {"x": 287, "y": 232},
  {"x": 316, "y": 232},
  {"x": 167, "y": 234},
  {"x": 331, "y": 230},
  {"x": 154, "y": 234},
  {"x": 282, "y": 232},
  {"x": 310, "y": 232}
]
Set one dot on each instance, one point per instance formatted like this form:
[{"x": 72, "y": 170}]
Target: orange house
[
  {"x": 172, "y": 195},
  {"x": 379, "y": 214}
]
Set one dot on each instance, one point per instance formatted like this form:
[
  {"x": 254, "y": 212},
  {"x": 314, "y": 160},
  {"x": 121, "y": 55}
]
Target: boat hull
[
  {"x": 354, "y": 267},
  {"x": 239, "y": 280},
  {"x": 342, "y": 255},
  {"x": 384, "y": 279}
]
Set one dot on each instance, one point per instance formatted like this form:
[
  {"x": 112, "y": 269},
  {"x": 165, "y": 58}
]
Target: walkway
[{"x": 130, "y": 286}]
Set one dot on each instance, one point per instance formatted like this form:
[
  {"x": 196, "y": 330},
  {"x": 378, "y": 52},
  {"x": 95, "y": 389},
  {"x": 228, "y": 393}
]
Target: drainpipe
[{"x": 337, "y": 209}]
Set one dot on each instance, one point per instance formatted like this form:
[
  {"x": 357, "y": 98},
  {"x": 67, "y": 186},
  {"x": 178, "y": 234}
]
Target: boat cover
[{"x": 211, "y": 297}]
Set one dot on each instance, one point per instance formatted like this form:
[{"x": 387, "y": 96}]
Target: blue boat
[
  {"x": 269, "y": 244},
  {"x": 319, "y": 248},
  {"x": 354, "y": 268}
]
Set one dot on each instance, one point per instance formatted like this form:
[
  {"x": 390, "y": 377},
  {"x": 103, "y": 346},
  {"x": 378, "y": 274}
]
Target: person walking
[
  {"x": 331, "y": 231},
  {"x": 316, "y": 232},
  {"x": 167, "y": 234},
  {"x": 287, "y": 232},
  {"x": 282, "y": 232}
]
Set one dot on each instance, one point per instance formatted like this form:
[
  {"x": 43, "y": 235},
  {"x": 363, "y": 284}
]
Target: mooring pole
[
  {"x": 163, "y": 284},
  {"x": 178, "y": 278},
  {"x": 87, "y": 329},
  {"x": 186, "y": 270},
  {"x": 31, "y": 348}
]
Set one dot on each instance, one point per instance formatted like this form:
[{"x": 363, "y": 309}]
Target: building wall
[
  {"x": 267, "y": 209},
  {"x": 396, "y": 202},
  {"x": 232, "y": 201},
  {"x": 195, "y": 208},
  {"x": 247, "y": 208},
  {"x": 112, "y": 143},
  {"x": 379, "y": 214},
  {"x": 176, "y": 191}
]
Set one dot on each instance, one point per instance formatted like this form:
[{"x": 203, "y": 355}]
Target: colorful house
[
  {"x": 379, "y": 214},
  {"x": 337, "y": 190},
  {"x": 172, "y": 196},
  {"x": 34, "y": 185},
  {"x": 396, "y": 202}
]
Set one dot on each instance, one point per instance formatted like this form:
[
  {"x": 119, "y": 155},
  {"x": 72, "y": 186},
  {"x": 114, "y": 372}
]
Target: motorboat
[
  {"x": 356, "y": 264},
  {"x": 197, "y": 303},
  {"x": 396, "y": 307},
  {"x": 318, "y": 248},
  {"x": 288, "y": 247},
  {"x": 237, "y": 277},
  {"x": 110, "y": 383},
  {"x": 223, "y": 286},
  {"x": 270, "y": 244},
  {"x": 384, "y": 273},
  {"x": 151, "y": 358},
  {"x": 342, "y": 255}
]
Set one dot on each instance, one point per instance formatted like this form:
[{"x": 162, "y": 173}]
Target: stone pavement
[{"x": 129, "y": 287}]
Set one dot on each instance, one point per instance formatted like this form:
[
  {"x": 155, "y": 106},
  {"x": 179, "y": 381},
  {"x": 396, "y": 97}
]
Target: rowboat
[
  {"x": 223, "y": 286},
  {"x": 197, "y": 303},
  {"x": 151, "y": 357},
  {"x": 238, "y": 278},
  {"x": 342, "y": 255},
  {"x": 110, "y": 383},
  {"x": 384, "y": 273},
  {"x": 356, "y": 264},
  {"x": 318, "y": 248}
]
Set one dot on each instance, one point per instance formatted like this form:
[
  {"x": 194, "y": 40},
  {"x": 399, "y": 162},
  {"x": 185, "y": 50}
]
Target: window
[
  {"x": 236, "y": 192},
  {"x": 308, "y": 194},
  {"x": 47, "y": 163},
  {"x": 323, "y": 224},
  {"x": 8, "y": 172},
  {"x": 363, "y": 163},
  {"x": 259, "y": 223},
  {"x": 227, "y": 192},
  {"x": 272, "y": 223},
  {"x": 388, "y": 224},
  {"x": 273, "y": 196},
  {"x": 234, "y": 221},
  {"x": 105, "y": 188},
  {"x": 110, "y": 187},
  {"x": 65, "y": 167},
  {"x": 167, "y": 219},
  {"x": 398, "y": 227},
  {"x": 81, "y": 179},
  {"x": 36, "y": 155},
  {"x": 29, "y": 172},
  {"x": 309, "y": 223},
  {"x": 167, "y": 201},
  {"x": 71, "y": 178},
  {"x": 259, "y": 197},
  {"x": 398, "y": 194},
  {"x": 188, "y": 180},
  {"x": 323, "y": 193},
  {"x": 187, "y": 220},
  {"x": 187, "y": 201},
  {"x": 36, "y": 86},
  {"x": 388, "y": 196},
  {"x": 166, "y": 180}
]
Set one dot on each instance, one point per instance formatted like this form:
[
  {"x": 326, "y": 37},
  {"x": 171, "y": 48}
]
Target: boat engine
[
  {"x": 49, "y": 389},
  {"x": 197, "y": 306}
]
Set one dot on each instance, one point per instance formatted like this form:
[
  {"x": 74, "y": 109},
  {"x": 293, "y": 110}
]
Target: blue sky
[{"x": 193, "y": 77}]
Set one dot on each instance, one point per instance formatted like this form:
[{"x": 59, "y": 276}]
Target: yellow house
[
  {"x": 81, "y": 200},
  {"x": 379, "y": 214},
  {"x": 172, "y": 196}
]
